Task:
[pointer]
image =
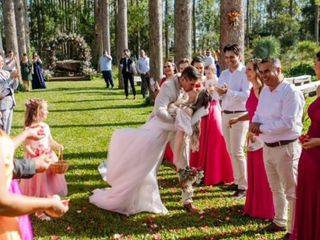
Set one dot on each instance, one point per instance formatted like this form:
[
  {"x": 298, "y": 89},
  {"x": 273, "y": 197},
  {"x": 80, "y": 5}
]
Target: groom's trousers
[{"x": 182, "y": 163}]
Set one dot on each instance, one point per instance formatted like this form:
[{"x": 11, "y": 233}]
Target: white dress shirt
[
  {"x": 105, "y": 63},
  {"x": 143, "y": 65},
  {"x": 238, "y": 89},
  {"x": 280, "y": 113},
  {"x": 209, "y": 60}
]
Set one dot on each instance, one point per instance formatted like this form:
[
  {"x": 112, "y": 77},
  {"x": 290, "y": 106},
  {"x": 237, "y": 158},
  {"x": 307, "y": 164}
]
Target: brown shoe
[
  {"x": 189, "y": 207},
  {"x": 230, "y": 187},
  {"x": 272, "y": 227}
]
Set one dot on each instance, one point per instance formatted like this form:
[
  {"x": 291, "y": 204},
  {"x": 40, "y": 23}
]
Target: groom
[{"x": 169, "y": 92}]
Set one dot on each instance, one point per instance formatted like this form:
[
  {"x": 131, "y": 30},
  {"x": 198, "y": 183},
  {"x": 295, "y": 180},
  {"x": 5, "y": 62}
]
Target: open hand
[
  {"x": 35, "y": 133},
  {"x": 222, "y": 90},
  {"x": 59, "y": 207},
  {"x": 311, "y": 143},
  {"x": 233, "y": 121},
  {"x": 14, "y": 74},
  {"x": 255, "y": 128}
]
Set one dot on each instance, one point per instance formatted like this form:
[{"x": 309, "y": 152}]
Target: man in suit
[
  {"x": 126, "y": 65},
  {"x": 169, "y": 92},
  {"x": 8, "y": 83}
]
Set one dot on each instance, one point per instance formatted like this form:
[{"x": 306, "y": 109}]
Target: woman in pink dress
[
  {"x": 307, "y": 218},
  {"x": 212, "y": 156},
  {"x": 259, "y": 202}
]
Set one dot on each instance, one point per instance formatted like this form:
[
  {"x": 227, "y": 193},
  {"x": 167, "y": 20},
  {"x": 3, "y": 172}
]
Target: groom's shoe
[{"x": 192, "y": 208}]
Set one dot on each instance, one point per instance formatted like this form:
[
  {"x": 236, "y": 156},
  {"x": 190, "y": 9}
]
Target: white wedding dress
[
  {"x": 134, "y": 156},
  {"x": 132, "y": 165}
]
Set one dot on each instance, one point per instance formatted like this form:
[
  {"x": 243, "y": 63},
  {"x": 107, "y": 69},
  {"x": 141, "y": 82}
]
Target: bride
[{"x": 135, "y": 155}]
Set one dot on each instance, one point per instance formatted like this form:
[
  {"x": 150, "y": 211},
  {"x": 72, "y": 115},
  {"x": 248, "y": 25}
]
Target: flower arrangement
[
  {"x": 77, "y": 41},
  {"x": 233, "y": 18},
  {"x": 190, "y": 175}
]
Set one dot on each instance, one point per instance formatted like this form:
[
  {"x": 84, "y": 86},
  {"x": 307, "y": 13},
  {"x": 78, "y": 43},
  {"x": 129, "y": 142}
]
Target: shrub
[
  {"x": 301, "y": 69},
  {"x": 266, "y": 47}
]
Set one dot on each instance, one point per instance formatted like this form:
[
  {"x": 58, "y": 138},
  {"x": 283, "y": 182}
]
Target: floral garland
[{"x": 80, "y": 43}]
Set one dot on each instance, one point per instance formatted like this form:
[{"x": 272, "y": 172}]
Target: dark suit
[
  {"x": 127, "y": 74},
  {"x": 24, "y": 168}
]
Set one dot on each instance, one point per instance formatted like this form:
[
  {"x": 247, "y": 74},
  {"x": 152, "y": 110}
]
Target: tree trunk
[
  {"x": 122, "y": 34},
  {"x": 316, "y": 25},
  {"x": 155, "y": 41},
  {"x": 21, "y": 23},
  {"x": 97, "y": 29},
  {"x": 10, "y": 29},
  {"x": 231, "y": 31},
  {"x": 167, "y": 28},
  {"x": 1, "y": 45},
  {"x": 194, "y": 26},
  {"x": 291, "y": 8},
  {"x": 182, "y": 29},
  {"x": 105, "y": 25},
  {"x": 27, "y": 27}
]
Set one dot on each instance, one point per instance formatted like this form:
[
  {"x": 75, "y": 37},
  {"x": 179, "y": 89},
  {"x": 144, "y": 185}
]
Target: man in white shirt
[
  {"x": 105, "y": 62},
  {"x": 234, "y": 89},
  {"x": 143, "y": 68},
  {"x": 209, "y": 59},
  {"x": 278, "y": 120}
]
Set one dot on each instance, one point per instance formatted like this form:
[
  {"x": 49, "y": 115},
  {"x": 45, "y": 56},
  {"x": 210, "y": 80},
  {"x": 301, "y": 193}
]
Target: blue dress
[{"x": 37, "y": 77}]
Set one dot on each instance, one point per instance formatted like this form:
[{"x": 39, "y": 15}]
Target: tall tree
[
  {"x": 21, "y": 23},
  {"x": 232, "y": 25},
  {"x": 182, "y": 29},
  {"x": 194, "y": 26},
  {"x": 10, "y": 27},
  {"x": 105, "y": 24},
  {"x": 166, "y": 29},
  {"x": 155, "y": 38},
  {"x": 97, "y": 29},
  {"x": 316, "y": 22},
  {"x": 122, "y": 33}
]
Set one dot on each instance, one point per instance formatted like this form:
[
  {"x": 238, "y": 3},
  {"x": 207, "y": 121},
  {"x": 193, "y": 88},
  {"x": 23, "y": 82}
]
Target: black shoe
[
  {"x": 272, "y": 227},
  {"x": 231, "y": 187},
  {"x": 239, "y": 194},
  {"x": 287, "y": 236}
]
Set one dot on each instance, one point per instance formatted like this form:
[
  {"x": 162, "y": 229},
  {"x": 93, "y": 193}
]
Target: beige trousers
[
  {"x": 281, "y": 165},
  {"x": 235, "y": 139}
]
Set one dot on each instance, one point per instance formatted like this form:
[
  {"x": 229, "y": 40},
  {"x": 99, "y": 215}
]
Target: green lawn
[{"x": 82, "y": 117}]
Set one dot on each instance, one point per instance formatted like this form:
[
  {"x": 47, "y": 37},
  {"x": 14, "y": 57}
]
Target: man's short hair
[
  {"x": 233, "y": 48},
  {"x": 190, "y": 73},
  {"x": 183, "y": 61},
  {"x": 275, "y": 62},
  {"x": 197, "y": 59}
]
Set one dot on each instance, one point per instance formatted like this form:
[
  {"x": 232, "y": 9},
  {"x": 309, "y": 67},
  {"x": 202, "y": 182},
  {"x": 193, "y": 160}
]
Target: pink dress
[
  {"x": 47, "y": 183},
  {"x": 213, "y": 156},
  {"x": 259, "y": 202},
  {"x": 24, "y": 221},
  {"x": 307, "y": 218}
]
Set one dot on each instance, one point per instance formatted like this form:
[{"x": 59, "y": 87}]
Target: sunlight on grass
[{"x": 83, "y": 116}]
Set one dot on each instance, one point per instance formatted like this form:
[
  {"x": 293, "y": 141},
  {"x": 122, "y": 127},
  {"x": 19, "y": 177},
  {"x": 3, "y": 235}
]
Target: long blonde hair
[{"x": 33, "y": 111}]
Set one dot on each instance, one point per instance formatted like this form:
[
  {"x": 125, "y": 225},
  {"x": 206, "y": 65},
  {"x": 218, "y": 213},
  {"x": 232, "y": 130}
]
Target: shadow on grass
[
  {"x": 85, "y": 155},
  {"x": 88, "y": 100},
  {"x": 124, "y": 106}
]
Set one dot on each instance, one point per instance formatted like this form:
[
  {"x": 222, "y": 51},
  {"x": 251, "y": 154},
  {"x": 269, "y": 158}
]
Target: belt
[
  {"x": 280, "y": 143},
  {"x": 232, "y": 112}
]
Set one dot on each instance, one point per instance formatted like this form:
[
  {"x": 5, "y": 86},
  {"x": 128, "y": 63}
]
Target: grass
[{"x": 82, "y": 117}]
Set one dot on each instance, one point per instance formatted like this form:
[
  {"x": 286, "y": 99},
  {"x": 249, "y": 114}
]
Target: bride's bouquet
[{"x": 189, "y": 176}]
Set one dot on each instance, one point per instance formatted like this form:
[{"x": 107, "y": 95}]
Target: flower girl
[{"x": 47, "y": 183}]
